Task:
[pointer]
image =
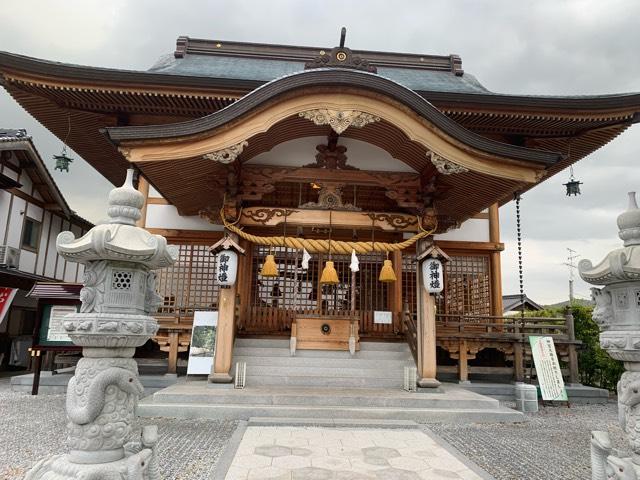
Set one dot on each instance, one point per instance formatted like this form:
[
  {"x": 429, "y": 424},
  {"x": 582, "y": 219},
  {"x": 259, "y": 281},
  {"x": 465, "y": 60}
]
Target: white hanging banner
[
  {"x": 305, "y": 259},
  {"x": 203, "y": 343},
  {"x": 432, "y": 276},
  {"x": 355, "y": 263}
]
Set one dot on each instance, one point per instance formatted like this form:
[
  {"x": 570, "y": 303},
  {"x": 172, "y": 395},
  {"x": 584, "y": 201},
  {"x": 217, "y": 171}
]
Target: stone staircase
[
  {"x": 323, "y": 385},
  {"x": 376, "y": 365}
]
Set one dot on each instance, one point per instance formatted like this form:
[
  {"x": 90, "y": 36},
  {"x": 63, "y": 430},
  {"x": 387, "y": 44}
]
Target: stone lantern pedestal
[
  {"x": 617, "y": 313},
  {"x": 118, "y": 299}
]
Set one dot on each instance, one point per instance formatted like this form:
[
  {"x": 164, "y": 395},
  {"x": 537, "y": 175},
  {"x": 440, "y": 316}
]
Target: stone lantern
[
  {"x": 118, "y": 300},
  {"x": 617, "y": 313}
]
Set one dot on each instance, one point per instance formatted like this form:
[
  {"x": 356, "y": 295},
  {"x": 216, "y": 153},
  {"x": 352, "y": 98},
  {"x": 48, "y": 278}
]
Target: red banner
[{"x": 6, "y": 297}]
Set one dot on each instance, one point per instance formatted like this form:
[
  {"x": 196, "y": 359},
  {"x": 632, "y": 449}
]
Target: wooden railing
[
  {"x": 411, "y": 333},
  {"x": 515, "y": 331},
  {"x": 503, "y": 328}
]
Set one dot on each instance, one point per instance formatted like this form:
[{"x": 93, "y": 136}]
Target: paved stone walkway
[{"x": 315, "y": 453}]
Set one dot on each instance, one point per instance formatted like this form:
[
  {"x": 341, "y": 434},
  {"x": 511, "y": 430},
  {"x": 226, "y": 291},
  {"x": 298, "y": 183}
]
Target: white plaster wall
[
  {"x": 473, "y": 230},
  {"x": 44, "y": 238},
  {"x": 12, "y": 174},
  {"x": 302, "y": 151},
  {"x": 27, "y": 261},
  {"x": 35, "y": 212},
  {"x": 50, "y": 265},
  {"x": 27, "y": 185},
  {"x": 153, "y": 193},
  {"x": 5, "y": 200},
  {"x": 15, "y": 222},
  {"x": 166, "y": 216}
]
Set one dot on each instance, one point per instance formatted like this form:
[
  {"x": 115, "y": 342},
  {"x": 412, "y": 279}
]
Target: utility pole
[{"x": 572, "y": 268}]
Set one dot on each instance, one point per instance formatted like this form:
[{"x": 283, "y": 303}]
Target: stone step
[
  {"x": 323, "y": 397},
  {"x": 324, "y": 381},
  {"x": 365, "y": 363},
  {"x": 284, "y": 343},
  {"x": 284, "y": 352},
  {"x": 316, "y": 370},
  {"x": 244, "y": 412}
]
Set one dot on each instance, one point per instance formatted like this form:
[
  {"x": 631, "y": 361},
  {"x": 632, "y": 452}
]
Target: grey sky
[{"x": 529, "y": 47}]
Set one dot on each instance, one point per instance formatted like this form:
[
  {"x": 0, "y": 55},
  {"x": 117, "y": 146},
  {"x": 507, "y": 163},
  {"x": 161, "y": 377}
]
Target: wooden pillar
[
  {"x": 496, "y": 269},
  {"x": 174, "y": 338},
  {"x": 221, "y": 370},
  {"x": 426, "y": 338},
  {"x": 143, "y": 188},
  {"x": 463, "y": 365},
  {"x": 518, "y": 361}
]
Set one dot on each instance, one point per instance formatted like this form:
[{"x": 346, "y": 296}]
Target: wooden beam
[
  {"x": 204, "y": 237},
  {"x": 462, "y": 245},
  {"x": 143, "y": 188},
  {"x": 273, "y": 216}
]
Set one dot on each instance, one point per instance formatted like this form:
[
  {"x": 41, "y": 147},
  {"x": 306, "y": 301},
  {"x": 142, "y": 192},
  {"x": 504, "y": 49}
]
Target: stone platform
[
  {"x": 312, "y": 452},
  {"x": 57, "y": 384},
  {"x": 198, "y": 399}
]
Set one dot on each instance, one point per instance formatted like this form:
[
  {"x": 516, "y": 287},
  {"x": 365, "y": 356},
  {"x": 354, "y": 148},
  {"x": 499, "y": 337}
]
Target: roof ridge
[{"x": 186, "y": 45}]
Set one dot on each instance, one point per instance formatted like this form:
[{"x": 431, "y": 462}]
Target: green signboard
[
  {"x": 548, "y": 369},
  {"x": 52, "y": 331}
]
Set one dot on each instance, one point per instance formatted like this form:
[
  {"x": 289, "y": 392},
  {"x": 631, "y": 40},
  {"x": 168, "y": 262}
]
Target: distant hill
[{"x": 578, "y": 301}]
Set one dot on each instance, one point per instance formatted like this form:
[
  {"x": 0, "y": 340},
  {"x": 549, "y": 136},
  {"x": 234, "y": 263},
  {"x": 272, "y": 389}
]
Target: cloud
[{"x": 542, "y": 47}]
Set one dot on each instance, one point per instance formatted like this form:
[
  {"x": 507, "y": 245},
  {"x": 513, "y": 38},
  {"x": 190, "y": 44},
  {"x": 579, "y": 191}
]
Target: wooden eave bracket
[
  {"x": 433, "y": 251},
  {"x": 226, "y": 243}
]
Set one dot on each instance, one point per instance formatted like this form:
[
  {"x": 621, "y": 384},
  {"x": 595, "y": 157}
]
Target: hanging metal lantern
[
  {"x": 573, "y": 185},
  {"x": 62, "y": 161}
]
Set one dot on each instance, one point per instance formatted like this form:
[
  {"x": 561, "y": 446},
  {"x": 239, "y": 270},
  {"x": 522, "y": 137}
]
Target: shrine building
[{"x": 298, "y": 156}]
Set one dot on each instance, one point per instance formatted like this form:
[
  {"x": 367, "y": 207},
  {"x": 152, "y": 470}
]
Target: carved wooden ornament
[
  {"x": 444, "y": 166},
  {"x": 227, "y": 155},
  {"x": 339, "y": 120}
]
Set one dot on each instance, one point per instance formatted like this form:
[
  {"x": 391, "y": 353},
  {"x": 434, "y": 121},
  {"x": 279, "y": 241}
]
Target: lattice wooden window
[
  {"x": 293, "y": 288},
  {"x": 409, "y": 281},
  {"x": 467, "y": 286},
  {"x": 297, "y": 289},
  {"x": 189, "y": 284}
]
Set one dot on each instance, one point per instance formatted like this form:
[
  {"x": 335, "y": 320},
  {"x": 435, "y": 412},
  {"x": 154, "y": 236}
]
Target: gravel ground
[
  {"x": 33, "y": 427},
  {"x": 554, "y": 444}
]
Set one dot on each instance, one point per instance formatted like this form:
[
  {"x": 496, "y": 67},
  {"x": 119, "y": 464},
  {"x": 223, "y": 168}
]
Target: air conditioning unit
[{"x": 9, "y": 256}]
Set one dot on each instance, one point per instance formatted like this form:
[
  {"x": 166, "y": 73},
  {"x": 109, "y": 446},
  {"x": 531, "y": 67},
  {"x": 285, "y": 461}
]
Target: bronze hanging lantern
[
  {"x": 62, "y": 160},
  {"x": 573, "y": 185}
]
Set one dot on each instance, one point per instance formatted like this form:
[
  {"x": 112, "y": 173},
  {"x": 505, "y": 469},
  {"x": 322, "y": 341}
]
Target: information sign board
[
  {"x": 203, "y": 343},
  {"x": 548, "y": 369}
]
